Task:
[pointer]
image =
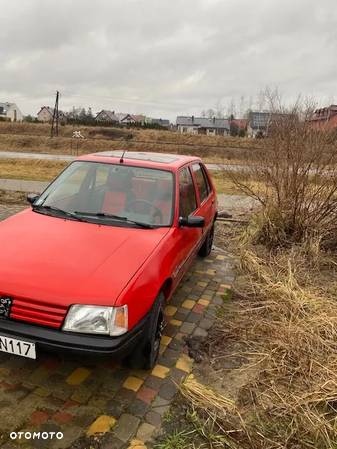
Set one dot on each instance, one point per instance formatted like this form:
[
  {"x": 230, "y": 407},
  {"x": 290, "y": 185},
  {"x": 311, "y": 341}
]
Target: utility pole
[{"x": 55, "y": 122}]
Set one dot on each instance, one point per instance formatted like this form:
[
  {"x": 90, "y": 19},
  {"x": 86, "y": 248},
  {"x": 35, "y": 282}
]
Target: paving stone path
[{"x": 88, "y": 399}]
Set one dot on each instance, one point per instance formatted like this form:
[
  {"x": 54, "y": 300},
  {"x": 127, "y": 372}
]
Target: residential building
[
  {"x": 202, "y": 125},
  {"x": 10, "y": 111},
  {"x": 46, "y": 113},
  {"x": 258, "y": 123},
  {"x": 127, "y": 119},
  {"x": 238, "y": 127},
  {"x": 107, "y": 117},
  {"x": 325, "y": 118},
  {"x": 158, "y": 121}
]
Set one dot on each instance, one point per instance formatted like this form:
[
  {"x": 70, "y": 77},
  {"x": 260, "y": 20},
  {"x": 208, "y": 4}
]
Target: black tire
[
  {"x": 206, "y": 247},
  {"x": 145, "y": 355}
]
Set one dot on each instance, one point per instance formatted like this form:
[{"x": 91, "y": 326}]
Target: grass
[
  {"x": 281, "y": 324},
  {"x": 36, "y": 138},
  {"x": 12, "y": 197},
  {"x": 34, "y": 170}
]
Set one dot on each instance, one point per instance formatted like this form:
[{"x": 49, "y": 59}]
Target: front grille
[{"x": 37, "y": 312}]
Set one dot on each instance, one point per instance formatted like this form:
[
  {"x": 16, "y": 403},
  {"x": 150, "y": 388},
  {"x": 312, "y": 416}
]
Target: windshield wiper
[
  {"x": 41, "y": 207},
  {"x": 115, "y": 217}
]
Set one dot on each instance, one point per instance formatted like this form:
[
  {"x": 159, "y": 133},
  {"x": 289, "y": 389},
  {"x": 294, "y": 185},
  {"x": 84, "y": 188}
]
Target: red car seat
[{"x": 117, "y": 193}]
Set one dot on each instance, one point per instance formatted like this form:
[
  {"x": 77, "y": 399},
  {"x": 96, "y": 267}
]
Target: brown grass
[
  {"x": 35, "y": 138},
  {"x": 283, "y": 324},
  {"x": 35, "y": 170}
]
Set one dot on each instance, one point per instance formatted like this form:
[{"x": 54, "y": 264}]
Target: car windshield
[{"x": 111, "y": 194}]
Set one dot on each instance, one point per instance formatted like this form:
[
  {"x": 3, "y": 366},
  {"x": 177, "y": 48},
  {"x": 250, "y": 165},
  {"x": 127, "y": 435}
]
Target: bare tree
[{"x": 293, "y": 176}]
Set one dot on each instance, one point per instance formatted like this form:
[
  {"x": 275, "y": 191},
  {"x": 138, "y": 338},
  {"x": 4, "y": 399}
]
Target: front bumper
[{"x": 57, "y": 340}]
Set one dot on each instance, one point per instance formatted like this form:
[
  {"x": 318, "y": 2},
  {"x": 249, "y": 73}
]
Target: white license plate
[{"x": 17, "y": 347}]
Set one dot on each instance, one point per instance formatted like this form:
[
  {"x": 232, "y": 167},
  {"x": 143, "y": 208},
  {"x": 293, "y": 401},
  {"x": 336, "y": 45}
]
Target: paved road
[
  {"x": 68, "y": 158},
  {"x": 20, "y": 185},
  {"x": 78, "y": 396},
  {"x": 45, "y": 156}
]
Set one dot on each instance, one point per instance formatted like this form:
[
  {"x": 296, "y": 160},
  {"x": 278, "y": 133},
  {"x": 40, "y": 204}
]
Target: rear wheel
[
  {"x": 206, "y": 248},
  {"x": 145, "y": 355}
]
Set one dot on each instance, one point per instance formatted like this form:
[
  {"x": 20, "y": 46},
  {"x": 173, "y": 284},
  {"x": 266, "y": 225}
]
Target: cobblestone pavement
[{"x": 91, "y": 400}]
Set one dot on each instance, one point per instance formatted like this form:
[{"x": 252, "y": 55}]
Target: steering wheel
[{"x": 157, "y": 211}]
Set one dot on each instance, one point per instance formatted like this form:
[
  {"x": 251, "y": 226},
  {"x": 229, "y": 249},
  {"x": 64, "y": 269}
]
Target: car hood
[{"x": 64, "y": 262}]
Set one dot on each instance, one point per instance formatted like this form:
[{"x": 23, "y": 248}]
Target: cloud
[{"x": 164, "y": 57}]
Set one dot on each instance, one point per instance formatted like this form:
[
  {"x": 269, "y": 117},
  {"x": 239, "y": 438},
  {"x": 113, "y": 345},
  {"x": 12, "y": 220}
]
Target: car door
[
  {"x": 187, "y": 239},
  {"x": 205, "y": 195}
]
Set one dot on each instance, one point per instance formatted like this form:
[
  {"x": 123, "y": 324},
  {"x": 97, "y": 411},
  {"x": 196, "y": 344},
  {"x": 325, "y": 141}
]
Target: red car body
[{"x": 48, "y": 263}]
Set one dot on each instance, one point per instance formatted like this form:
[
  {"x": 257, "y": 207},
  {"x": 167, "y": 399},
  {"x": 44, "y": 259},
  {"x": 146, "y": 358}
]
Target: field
[
  {"x": 26, "y": 137},
  {"x": 35, "y": 138}
]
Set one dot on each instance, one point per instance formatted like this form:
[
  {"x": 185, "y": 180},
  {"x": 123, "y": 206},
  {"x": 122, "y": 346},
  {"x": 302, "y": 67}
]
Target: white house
[
  {"x": 11, "y": 112},
  {"x": 202, "y": 125},
  {"x": 45, "y": 114}
]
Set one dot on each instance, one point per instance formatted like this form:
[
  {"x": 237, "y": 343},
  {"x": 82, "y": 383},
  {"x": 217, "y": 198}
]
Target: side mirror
[
  {"x": 192, "y": 221},
  {"x": 32, "y": 197}
]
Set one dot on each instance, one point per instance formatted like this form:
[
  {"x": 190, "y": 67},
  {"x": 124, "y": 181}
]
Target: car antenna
[{"x": 122, "y": 157}]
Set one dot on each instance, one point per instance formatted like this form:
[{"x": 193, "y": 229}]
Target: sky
[{"x": 166, "y": 58}]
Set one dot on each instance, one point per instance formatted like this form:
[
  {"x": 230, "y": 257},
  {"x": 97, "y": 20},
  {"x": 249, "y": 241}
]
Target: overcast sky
[{"x": 165, "y": 57}]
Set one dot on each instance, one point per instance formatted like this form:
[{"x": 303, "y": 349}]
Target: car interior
[{"x": 142, "y": 195}]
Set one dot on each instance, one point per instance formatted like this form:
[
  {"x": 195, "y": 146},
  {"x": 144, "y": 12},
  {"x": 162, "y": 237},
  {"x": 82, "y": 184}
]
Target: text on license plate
[{"x": 17, "y": 347}]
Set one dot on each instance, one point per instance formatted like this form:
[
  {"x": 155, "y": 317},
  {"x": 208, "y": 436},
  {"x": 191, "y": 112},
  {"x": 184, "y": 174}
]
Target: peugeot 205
[{"x": 91, "y": 264}]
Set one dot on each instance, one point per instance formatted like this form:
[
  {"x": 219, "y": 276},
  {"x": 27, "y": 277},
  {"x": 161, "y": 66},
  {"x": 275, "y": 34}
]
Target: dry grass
[
  {"x": 283, "y": 324},
  {"x": 34, "y": 170},
  {"x": 35, "y": 138},
  {"x": 12, "y": 197}
]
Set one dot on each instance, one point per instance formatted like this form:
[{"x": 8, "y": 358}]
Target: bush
[{"x": 295, "y": 178}]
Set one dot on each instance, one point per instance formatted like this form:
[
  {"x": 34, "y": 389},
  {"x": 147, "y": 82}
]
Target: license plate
[{"x": 17, "y": 347}]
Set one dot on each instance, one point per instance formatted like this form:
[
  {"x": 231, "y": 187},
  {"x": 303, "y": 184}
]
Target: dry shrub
[
  {"x": 296, "y": 174},
  {"x": 285, "y": 326}
]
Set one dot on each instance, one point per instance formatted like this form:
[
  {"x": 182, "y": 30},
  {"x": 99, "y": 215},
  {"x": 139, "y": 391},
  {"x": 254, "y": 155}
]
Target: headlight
[{"x": 97, "y": 320}]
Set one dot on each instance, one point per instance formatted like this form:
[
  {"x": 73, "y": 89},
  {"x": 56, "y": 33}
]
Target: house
[
  {"x": 46, "y": 113},
  {"x": 107, "y": 117},
  {"x": 131, "y": 119},
  {"x": 258, "y": 123},
  {"x": 238, "y": 127},
  {"x": 202, "y": 125},
  {"x": 325, "y": 118},
  {"x": 158, "y": 122},
  {"x": 10, "y": 112}
]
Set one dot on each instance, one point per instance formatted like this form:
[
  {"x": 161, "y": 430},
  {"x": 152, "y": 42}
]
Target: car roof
[{"x": 141, "y": 158}]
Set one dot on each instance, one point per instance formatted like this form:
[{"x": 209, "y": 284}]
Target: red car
[{"x": 90, "y": 266}]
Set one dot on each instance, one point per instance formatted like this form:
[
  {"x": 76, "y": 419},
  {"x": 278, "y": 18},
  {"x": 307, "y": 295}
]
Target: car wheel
[
  {"x": 206, "y": 247},
  {"x": 145, "y": 355}
]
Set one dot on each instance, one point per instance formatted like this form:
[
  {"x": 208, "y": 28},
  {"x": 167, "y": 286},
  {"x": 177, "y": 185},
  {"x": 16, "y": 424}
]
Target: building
[
  {"x": 325, "y": 118},
  {"x": 158, "y": 121},
  {"x": 46, "y": 113},
  {"x": 107, "y": 117},
  {"x": 131, "y": 119},
  {"x": 258, "y": 123},
  {"x": 202, "y": 125},
  {"x": 10, "y": 112},
  {"x": 238, "y": 127}
]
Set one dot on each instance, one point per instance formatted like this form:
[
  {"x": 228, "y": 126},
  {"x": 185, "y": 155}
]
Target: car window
[
  {"x": 202, "y": 181},
  {"x": 69, "y": 182},
  {"x": 135, "y": 193},
  {"x": 187, "y": 199}
]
